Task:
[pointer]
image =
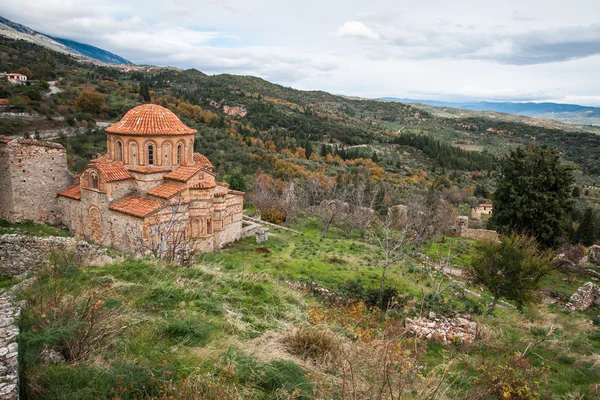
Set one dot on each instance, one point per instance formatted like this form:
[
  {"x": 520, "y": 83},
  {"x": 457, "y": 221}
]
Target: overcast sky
[{"x": 513, "y": 50}]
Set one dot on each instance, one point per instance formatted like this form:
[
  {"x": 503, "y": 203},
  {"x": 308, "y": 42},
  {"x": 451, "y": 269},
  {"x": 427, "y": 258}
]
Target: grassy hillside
[{"x": 238, "y": 325}]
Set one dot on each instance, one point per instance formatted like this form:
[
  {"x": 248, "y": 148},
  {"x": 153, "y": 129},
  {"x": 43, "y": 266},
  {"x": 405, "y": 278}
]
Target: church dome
[{"x": 149, "y": 119}]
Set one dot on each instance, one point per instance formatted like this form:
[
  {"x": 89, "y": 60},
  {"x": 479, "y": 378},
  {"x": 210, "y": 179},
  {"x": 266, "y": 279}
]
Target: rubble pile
[{"x": 445, "y": 330}]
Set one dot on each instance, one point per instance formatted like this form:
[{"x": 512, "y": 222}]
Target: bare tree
[
  {"x": 404, "y": 230},
  {"x": 166, "y": 236},
  {"x": 325, "y": 199}
]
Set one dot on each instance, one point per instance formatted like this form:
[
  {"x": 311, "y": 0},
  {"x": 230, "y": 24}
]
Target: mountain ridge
[
  {"x": 84, "y": 51},
  {"x": 571, "y": 113}
]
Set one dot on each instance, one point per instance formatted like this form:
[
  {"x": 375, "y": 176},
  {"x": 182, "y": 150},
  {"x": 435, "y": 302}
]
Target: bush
[
  {"x": 313, "y": 344},
  {"x": 273, "y": 215}
]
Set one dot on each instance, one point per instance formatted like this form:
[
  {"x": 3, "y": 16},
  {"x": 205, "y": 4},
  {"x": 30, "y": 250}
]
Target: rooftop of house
[{"x": 150, "y": 119}]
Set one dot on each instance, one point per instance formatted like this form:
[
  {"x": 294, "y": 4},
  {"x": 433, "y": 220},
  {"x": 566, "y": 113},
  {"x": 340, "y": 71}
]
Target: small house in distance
[
  {"x": 482, "y": 209},
  {"x": 16, "y": 78}
]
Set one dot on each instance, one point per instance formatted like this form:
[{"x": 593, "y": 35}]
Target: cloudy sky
[{"x": 513, "y": 50}]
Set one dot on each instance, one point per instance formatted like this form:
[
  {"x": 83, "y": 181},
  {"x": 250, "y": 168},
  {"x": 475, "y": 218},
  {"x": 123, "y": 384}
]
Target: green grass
[
  {"x": 199, "y": 322},
  {"x": 328, "y": 260},
  {"x": 31, "y": 228}
]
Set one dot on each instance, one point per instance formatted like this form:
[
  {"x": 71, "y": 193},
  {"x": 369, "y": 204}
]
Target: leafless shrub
[
  {"x": 312, "y": 343},
  {"x": 166, "y": 235}
]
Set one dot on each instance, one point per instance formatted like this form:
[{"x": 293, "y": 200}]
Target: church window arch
[
  {"x": 93, "y": 181},
  {"x": 209, "y": 225},
  {"x": 119, "y": 150},
  {"x": 133, "y": 153},
  {"x": 167, "y": 154},
  {"x": 179, "y": 153},
  {"x": 150, "y": 154}
]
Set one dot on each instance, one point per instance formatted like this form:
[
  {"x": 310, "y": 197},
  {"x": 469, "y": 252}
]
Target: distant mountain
[
  {"x": 93, "y": 52},
  {"x": 570, "y": 113},
  {"x": 17, "y": 31}
]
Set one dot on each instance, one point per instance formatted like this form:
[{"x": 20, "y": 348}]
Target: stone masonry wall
[
  {"x": 20, "y": 254},
  {"x": 9, "y": 357},
  {"x": 6, "y": 198},
  {"x": 33, "y": 172}
]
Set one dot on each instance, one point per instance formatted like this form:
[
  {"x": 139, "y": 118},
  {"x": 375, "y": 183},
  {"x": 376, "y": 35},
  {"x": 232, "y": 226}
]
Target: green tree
[
  {"x": 89, "y": 102},
  {"x": 308, "y": 148},
  {"x": 237, "y": 181},
  {"x": 586, "y": 233},
  {"x": 533, "y": 195},
  {"x": 481, "y": 191},
  {"x": 510, "y": 268},
  {"x": 576, "y": 191},
  {"x": 324, "y": 150},
  {"x": 145, "y": 92}
]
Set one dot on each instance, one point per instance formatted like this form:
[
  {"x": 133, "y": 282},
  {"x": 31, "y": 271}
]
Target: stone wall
[
  {"x": 20, "y": 254},
  {"x": 586, "y": 296},
  {"x": 479, "y": 234},
  {"x": 31, "y": 173},
  {"x": 9, "y": 357},
  {"x": 444, "y": 330}
]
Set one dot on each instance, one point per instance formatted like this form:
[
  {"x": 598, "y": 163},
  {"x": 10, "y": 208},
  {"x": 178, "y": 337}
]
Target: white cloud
[
  {"x": 356, "y": 29},
  {"x": 459, "y": 49}
]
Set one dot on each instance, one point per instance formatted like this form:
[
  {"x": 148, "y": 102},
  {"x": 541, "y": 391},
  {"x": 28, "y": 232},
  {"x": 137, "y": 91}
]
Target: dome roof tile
[{"x": 150, "y": 119}]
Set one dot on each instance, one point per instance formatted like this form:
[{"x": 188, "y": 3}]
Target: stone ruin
[
  {"x": 586, "y": 296},
  {"x": 262, "y": 235},
  {"x": 20, "y": 254},
  {"x": 444, "y": 330},
  {"x": 594, "y": 255}
]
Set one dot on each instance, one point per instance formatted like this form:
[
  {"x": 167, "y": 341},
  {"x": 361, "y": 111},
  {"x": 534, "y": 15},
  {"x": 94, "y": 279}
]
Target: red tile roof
[
  {"x": 223, "y": 184},
  {"x": 204, "y": 185},
  {"x": 183, "y": 173},
  {"x": 166, "y": 190},
  {"x": 6, "y": 139},
  {"x": 3, "y": 102},
  {"x": 236, "y": 192},
  {"x": 72, "y": 192},
  {"x": 111, "y": 171},
  {"x": 221, "y": 194},
  {"x": 202, "y": 161},
  {"x": 149, "y": 170},
  {"x": 136, "y": 205},
  {"x": 150, "y": 119}
]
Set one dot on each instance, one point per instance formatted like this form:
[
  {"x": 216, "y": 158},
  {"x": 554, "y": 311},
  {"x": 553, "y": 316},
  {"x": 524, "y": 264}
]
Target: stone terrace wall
[
  {"x": 20, "y": 254},
  {"x": 9, "y": 357},
  {"x": 479, "y": 234}
]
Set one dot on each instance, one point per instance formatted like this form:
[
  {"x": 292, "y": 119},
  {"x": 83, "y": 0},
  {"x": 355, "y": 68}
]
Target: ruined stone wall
[
  {"x": 20, "y": 254},
  {"x": 479, "y": 234},
  {"x": 9, "y": 355},
  {"x": 6, "y": 198},
  {"x": 37, "y": 172}
]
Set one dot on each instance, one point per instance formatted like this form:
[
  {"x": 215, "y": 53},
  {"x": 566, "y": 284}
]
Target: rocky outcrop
[
  {"x": 594, "y": 255},
  {"x": 586, "y": 296},
  {"x": 445, "y": 330},
  {"x": 20, "y": 254}
]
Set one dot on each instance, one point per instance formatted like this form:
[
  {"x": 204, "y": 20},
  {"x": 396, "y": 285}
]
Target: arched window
[
  {"x": 119, "y": 151},
  {"x": 167, "y": 154},
  {"x": 150, "y": 154},
  {"x": 93, "y": 183},
  {"x": 179, "y": 154},
  {"x": 209, "y": 226},
  {"x": 133, "y": 148}
]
